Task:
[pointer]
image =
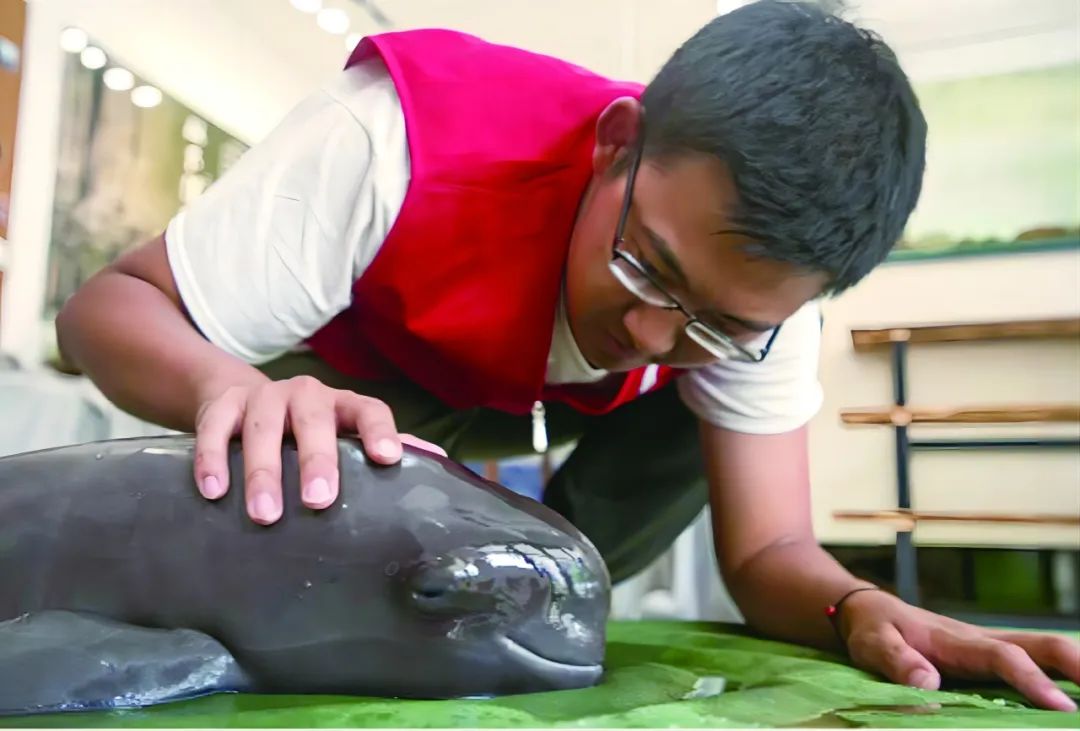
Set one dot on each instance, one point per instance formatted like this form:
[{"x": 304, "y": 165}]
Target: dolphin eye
[
  {"x": 434, "y": 589},
  {"x": 432, "y": 583},
  {"x": 441, "y": 590},
  {"x": 432, "y": 597}
]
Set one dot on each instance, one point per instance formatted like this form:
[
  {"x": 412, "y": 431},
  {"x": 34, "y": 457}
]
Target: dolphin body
[{"x": 121, "y": 586}]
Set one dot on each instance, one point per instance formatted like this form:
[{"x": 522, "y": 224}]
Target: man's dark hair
[{"x": 817, "y": 123}]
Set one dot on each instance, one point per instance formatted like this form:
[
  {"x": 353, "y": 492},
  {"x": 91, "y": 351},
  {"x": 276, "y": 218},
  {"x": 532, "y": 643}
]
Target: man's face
[{"x": 677, "y": 208}]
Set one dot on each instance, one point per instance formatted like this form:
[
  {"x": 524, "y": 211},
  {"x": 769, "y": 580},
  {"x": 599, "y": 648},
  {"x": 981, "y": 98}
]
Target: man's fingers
[
  {"x": 263, "y": 427},
  {"x": 214, "y": 427},
  {"x": 422, "y": 444},
  {"x": 1048, "y": 651},
  {"x": 374, "y": 425},
  {"x": 1013, "y": 665},
  {"x": 988, "y": 657},
  {"x": 313, "y": 413},
  {"x": 884, "y": 650},
  {"x": 314, "y": 425},
  {"x": 1063, "y": 654}
]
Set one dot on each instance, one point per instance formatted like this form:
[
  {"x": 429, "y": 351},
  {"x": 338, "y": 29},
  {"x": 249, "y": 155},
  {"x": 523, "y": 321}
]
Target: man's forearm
[
  {"x": 142, "y": 352},
  {"x": 784, "y": 589}
]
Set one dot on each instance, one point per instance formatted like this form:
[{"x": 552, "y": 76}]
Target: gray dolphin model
[{"x": 121, "y": 586}]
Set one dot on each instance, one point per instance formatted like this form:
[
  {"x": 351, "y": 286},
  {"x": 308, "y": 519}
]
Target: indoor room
[{"x": 536, "y": 363}]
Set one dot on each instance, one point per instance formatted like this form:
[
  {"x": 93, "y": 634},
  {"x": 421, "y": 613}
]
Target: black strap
[{"x": 832, "y": 612}]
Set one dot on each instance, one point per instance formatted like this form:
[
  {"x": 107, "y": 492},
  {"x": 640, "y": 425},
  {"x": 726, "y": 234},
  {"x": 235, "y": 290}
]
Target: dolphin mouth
[{"x": 562, "y": 674}]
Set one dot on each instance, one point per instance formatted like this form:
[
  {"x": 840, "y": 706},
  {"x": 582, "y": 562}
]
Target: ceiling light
[
  {"x": 93, "y": 58},
  {"x": 333, "y": 20},
  {"x": 352, "y": 39},
  {"x": 145, "y": 96},
  {"x": 73, "y": 40},
  {"x": 119, "y": 79},
  {"x": 307, "y": 6}
]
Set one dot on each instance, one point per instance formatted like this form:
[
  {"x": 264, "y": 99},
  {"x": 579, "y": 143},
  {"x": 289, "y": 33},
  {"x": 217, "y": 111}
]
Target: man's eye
[
  {"x": 652, "y": 270},
  {"x": 642, "y": 257}
]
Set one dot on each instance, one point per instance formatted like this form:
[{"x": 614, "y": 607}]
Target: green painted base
[{"x": 659, "y": 674}]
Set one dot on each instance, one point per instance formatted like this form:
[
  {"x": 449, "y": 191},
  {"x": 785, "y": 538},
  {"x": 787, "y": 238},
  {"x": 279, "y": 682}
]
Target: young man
[{"x": 490, "y": 248}]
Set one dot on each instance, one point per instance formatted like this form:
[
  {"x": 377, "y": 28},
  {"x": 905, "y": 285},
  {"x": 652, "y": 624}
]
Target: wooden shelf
[
  {"x": 902, "y": 416},
  {"x": 897, "y": 341},
  {"x": 1057, "y": 328},
  {"x": 906, "y": 519}
]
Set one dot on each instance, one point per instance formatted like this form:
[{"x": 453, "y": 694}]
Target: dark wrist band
[{"x": 832, "y": 612}]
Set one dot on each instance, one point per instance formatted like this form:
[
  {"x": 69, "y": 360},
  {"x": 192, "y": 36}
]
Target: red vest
[{"x": 462, "y": 295}]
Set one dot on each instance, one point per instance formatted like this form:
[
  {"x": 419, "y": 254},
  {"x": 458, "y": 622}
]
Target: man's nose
[{"x": 654, "y": 330}]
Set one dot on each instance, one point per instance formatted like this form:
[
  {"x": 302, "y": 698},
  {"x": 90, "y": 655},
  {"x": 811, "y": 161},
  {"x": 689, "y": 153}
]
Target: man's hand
[
  {"x": 315, "y": 414},
  {"x": 915, "y": 647},
  {"x": 782, "y": 579}
]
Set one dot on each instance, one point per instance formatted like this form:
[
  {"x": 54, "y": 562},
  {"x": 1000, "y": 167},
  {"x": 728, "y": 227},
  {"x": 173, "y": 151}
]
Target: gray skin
[{"x": 422, "y": 580}]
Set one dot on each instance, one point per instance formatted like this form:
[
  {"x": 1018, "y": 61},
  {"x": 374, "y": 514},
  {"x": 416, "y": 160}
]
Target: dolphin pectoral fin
[{"x": 67, "y": 661}]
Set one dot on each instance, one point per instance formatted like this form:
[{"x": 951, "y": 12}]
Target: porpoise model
[{"x": 121, "y": 586}]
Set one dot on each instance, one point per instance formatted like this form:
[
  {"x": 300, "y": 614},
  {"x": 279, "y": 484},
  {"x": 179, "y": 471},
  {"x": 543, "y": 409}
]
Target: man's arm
[
  {"x": 127, "y": 330},
  {"x": 168, "y": 332},
  {"x": 782, "y": 580},
  {"x": 774, "y": 568}
]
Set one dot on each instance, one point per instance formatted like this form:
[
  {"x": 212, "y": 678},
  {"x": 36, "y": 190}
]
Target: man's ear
[{"x": 617, "y": 128}]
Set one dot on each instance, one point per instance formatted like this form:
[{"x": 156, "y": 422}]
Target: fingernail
[
  {"x": 1064, "y": 702},
  {"x": 317, "y": 491},
  {"x": 264, "y": 508},
  {"x": 386, "y": 448},
  {"x": 211, "y": 488},
  {"x": 922, "y": 679}
]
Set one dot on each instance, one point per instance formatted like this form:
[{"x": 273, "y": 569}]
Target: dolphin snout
[
  {"x": 550, "y": 601},
  {"x": 569, "y": 628}
]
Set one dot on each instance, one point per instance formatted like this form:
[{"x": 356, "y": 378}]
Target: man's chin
[
  {"x": 623, "y": 367},
  {"x": 610, "y": 364}
]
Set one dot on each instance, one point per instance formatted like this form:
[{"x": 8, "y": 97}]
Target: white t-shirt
[{"x": 269, "y": 253}]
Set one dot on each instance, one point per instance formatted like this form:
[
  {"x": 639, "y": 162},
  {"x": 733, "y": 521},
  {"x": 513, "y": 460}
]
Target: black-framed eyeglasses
[{"x": 633, "y": 275}]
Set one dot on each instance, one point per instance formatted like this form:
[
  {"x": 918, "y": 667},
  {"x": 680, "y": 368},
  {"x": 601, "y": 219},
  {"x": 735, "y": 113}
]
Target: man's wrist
[{"x": 839, "y": 612}]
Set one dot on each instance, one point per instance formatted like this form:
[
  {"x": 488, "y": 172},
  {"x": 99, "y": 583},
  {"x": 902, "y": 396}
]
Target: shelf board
[
  {"x": 867, "y": 339},
  {"x": 903, "y": 415},
  {"x": 905, "y": 520}
]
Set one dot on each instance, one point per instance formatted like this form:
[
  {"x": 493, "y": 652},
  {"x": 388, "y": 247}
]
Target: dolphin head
[
  {"x": 500, "y": 588},
  {"x": 521, "y": 615},
  {"x": 424, "y": 580}
]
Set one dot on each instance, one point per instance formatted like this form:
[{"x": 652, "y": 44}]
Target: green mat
[{"x": 659, "y": 674}]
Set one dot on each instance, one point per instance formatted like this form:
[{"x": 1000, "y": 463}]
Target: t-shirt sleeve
[
  {"x": 268, "y": 254},
  {"x": 779, "y": 394}
]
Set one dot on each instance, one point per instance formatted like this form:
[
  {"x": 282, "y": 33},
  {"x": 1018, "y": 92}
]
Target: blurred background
[{"x": 113, "y": 113}]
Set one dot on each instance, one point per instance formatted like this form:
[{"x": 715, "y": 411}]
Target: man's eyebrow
[{"x": 665, "y": 253}]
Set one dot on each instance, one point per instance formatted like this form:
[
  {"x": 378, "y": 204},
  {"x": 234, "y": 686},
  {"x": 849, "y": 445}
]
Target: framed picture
[
  {"x": 1002, "y": 158},
  {"x": 129, "y": 157}
]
